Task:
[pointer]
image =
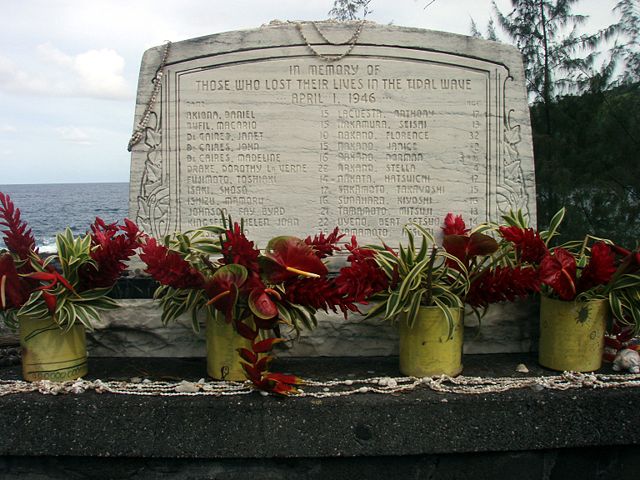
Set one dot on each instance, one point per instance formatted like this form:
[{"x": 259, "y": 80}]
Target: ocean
[{"x": 50, "y": 208}]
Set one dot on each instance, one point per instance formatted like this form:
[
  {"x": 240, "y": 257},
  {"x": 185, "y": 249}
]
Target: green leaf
[
  {"x": 414, "y": 306},
  {"x": 215, "y": 229},
  {"x": 284, "y": 314},
  {"x": 376, "y": 310},
  {"x": 447, "y": 315},
  {"x": 393, "y": 307},
  {"x": 424, "y": 250},
  {"x": 547, "y": 235},
  {"x": 408, "y": 281}
]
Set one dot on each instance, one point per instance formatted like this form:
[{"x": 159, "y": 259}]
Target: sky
[{"x": 69, "y": 68}]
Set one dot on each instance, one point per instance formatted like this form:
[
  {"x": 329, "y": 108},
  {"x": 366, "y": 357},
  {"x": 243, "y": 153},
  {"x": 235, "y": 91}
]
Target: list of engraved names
[{"x": 299, "y": 145}]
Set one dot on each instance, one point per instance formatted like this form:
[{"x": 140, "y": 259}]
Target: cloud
[
  {"x": 75, "y": 135},
  {"x": 6, "y": 128},
  {"x": 94, "y": 74}
]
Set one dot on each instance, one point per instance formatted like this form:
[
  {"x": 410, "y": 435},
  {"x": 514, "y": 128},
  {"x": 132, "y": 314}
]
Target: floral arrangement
[
  {"x": 69, "y": 286},
  {"x": 429, "y": 275},
  {"x": 513, "y": 271},
  {"x": 257, "y": 291},
  {"x": 592, "y": 268}
]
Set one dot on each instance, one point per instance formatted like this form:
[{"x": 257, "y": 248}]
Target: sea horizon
[
  {"x": 49, "y": 208},
  {"x": 59, "y": 183}
]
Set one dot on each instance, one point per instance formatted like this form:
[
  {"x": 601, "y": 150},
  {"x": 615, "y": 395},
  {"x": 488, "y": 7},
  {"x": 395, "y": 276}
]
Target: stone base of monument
[
  {"x": 526, "y": 433},
  {"x": 135, "y": 330}
]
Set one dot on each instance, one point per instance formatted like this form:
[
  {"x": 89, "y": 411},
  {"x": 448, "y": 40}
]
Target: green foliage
[
  {"x": 71, "y": 305},
  {"x": 589, "y": 164},
  {"x": 627, "y": 46},
  {"x": 349, "y": 9},
  {"x": 419, "y": 277},
  {"x": 546, "y": 33}
]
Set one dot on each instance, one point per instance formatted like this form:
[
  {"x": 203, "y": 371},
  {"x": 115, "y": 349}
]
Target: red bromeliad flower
[
  {"x": 168, "y": 267},
  {"x": 558, "y": 270},
  {"x": 454, "y": 225},
  {"x": 109, "y": 250},
  {"x": 14, "y": 291},
  {"x": 239, "y": 250},
  {"x": 51, "y": 276},
  {"x": 529, "y": 246},
  {"x": 600, "y": 268},
  {"x": 18, "y": 238},
  {"x": 324, "y": 246},
  {"x": 503, "y": 284},
  {"x": 464, "y": 248},
  {"x": 289, "y": 257}
]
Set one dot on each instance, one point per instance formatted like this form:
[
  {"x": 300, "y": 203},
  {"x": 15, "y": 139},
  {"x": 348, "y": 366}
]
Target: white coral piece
[{"x": 627, "y": 359}]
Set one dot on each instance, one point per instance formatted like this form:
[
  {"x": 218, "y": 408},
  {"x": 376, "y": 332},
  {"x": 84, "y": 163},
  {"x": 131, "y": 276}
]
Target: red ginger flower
[
  {"x": 363, "y": 277},
  {"x": 317, "y": 293},
  {"x": 169, "y": 268},
  {"x": 18, "y": 238},
  {"x": 503, "y": 284},
  {"x": 600, "y": 268},
  {"x": 238, "y": 249},
  {"x": 109, "y": 250},
  {"x": 528, "y": 244},
  {"x": 454, "y": 225},
  {"x": 558, "y": 270},
  {"x": 324, "y": 246}
]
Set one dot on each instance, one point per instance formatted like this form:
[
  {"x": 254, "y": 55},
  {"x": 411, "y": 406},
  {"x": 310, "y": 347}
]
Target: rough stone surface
[
  {"x": 421, "y": 422},
  {"x": 600, "y": 463},
  {"x": 136, "y": 330},
  {"x": 408, "y": 126}
]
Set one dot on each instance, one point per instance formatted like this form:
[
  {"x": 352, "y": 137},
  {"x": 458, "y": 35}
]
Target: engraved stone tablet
[{"x": 406, "y": 127}]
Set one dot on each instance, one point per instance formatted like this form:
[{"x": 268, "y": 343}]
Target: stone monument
[{"x": 301, "y": 127}]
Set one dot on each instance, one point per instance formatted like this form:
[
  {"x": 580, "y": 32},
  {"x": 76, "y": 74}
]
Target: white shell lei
[{"x": 335, "y": 388}]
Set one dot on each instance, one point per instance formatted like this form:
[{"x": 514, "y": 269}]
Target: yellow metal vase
[
  {"x": 223, "y": 360},
  {"x": 426, "y": 349},
  {"x": 51, "y": 353},
  {"x": 572, "y": 334}
]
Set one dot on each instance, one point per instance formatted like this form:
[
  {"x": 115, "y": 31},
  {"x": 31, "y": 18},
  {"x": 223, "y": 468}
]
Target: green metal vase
[
  {"x": 51, "y": 353},
  {"x": 223, "y": 360},
  {"x": 572, "y": 334},
  {"x": 426, "y": 349}
]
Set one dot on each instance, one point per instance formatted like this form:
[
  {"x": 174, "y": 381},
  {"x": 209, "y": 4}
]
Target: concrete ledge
[
  {"x": 422, "y": 422},
  {"x": 601, "y": 463}
]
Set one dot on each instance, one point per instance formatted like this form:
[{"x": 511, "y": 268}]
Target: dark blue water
[{"x": 49, "y": 209}]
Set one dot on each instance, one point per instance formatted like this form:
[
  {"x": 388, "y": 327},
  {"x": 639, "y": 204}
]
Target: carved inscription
[{"x": 305, "y": 145}]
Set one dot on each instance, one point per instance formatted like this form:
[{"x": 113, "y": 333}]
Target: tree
[
  {"x": 590, "y": 164},
  {"x": 627, "y": 46},
  {"x": 349, "y": 9},
  {"x": 491, "y": 31},
  {"x": 546, "y": 33}
]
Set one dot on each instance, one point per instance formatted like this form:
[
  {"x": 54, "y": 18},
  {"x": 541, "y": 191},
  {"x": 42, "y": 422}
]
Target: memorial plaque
[{"x": 407, "y": 126}]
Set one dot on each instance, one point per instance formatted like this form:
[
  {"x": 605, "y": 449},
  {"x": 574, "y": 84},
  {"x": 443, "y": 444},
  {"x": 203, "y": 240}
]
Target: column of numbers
[
  {"x": 323, "y": 170},
  {"x": 474, "y": 157}
]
